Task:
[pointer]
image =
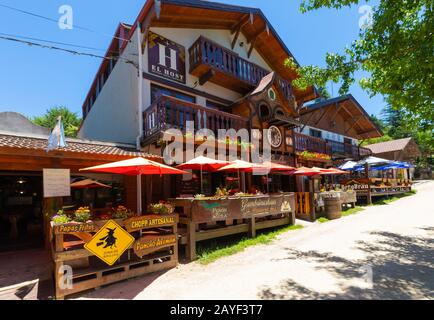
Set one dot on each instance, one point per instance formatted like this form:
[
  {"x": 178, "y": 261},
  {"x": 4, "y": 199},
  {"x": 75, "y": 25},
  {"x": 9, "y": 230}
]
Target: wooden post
[
  {"x": 50, "y": 208},
  {"x": 312, "y": 212},
  {"x": 58, "y": 265},
  {"x": 175, "y": 249},
  {"x": 369, "y": 197},
  {"x": 252, "y": 227},
  {"x": 191, "y": 242}
]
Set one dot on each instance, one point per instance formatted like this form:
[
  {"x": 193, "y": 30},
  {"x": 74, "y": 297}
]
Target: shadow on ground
[{"x": 402, "y": 268}]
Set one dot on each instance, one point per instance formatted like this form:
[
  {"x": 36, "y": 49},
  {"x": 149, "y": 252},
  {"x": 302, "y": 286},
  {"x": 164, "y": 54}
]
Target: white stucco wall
[
  {"x": 328, "y": 135},
  {"x": 114, "y": 115}
]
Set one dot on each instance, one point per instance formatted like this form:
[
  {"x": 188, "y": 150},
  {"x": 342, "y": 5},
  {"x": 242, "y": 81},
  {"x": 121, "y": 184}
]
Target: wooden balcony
[
  {"x": 307, "y": 143},
  {"x": 168, "y": 112},
  {"x": 332, "y": 148},
  {"x": 346, "y": 150},
  {"x": 211, "y": 62}
]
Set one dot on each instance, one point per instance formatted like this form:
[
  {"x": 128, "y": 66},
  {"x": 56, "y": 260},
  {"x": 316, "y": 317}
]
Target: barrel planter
[{"x": 333, "y": 208}]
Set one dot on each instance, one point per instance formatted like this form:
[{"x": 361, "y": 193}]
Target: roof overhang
[{"x": 350, "y": 110}]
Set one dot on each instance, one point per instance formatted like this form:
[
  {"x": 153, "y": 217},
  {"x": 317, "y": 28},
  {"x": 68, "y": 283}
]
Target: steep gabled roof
[
  {"x": 212, "y": 15},
  {"x": 350, "y": 109}
]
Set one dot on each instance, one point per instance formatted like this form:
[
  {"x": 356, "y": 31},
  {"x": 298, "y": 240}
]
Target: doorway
[{"x": 21, "y": 219}]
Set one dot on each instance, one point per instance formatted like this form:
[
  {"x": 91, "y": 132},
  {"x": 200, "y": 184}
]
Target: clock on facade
[{"x": 274, "y": 137}]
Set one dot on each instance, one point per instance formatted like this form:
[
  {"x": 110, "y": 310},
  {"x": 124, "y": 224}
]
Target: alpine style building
[{"x": 221, "y": 66}]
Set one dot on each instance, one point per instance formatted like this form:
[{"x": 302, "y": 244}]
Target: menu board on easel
[{"x": 57, "y": 183}]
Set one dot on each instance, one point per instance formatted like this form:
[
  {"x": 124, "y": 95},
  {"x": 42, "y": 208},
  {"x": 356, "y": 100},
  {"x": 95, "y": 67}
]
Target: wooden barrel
[{"x": 333, "y": 208}]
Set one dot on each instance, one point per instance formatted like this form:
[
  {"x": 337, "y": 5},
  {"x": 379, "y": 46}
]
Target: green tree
[
  {"x": 71, "y": 121},
  {"x": 395, "y": 126},
  {"x": 397, "y": 51}
]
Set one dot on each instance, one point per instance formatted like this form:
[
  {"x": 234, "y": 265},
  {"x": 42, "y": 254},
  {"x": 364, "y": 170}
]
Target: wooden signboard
[
  {"x": 149, "y": 244},
  {"x": 75, "y": 228},
  {"x": 151, "y": 221},
  {"x": 166, "y": 58},
  {"x": 240, "y": 208}
]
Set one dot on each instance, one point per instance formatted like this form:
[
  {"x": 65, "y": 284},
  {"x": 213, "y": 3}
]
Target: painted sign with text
[
  {"x": 166, "y": 58},
  {"x": 150, "y": 244},
  {"x": 241, "y": 208},
  {"x": 144, "y": 222}
]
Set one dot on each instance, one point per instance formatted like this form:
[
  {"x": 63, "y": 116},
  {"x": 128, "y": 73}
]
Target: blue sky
[{"x": 34, "y": 79}]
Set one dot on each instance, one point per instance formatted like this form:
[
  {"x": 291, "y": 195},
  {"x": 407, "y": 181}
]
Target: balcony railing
[
  {"x": 168, "y": 112},
  {"x": 333, "y": 148},
  {"x": 347, "y": 150},
  {"x": 232, "y": 71},
  {"x": 312, "y": 144}
]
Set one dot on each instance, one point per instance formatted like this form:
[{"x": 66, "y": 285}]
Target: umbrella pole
[
  {"x": 201, "y": 180},
  {"x": 239, "y": 180},
  {"x": 139, "y": 194},
  {"x": 268, "y": 185}
]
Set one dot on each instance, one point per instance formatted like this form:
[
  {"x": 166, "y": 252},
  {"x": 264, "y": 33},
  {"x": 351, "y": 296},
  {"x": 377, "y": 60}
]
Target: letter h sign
[{"x": 171, "y": 56}]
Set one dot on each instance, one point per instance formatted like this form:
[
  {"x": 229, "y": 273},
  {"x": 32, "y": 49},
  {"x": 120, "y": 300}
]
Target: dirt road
[{"x": 385, "y": 252}]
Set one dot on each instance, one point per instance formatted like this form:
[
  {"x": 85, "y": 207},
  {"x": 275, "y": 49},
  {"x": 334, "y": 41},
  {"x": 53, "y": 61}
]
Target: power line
[
  {"x": 50, "y": 41},
  {"x": 57, "y": 21},
  {"x": 74, "y": 52}
]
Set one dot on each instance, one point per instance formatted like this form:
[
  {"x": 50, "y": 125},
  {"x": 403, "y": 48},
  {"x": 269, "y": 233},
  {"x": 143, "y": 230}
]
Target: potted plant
[
  {"x": 161, "y": 208},
  {"x": 121, "y": 212},
  {"x": 61, "y": 218},
  {"x": 82, "y": 215}
]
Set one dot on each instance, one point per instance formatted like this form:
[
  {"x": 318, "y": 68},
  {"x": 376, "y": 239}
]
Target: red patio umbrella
[
  {"x": 88, "y": 184},
  {"x": 331, "y": 171},
  {"x": 276, "y": 167},
  {"x": 136, "y": 167},
  {"x": 244, "y": 166},
  {"x": 309, "y": 172},
  {"x": 203, "y": 164}
]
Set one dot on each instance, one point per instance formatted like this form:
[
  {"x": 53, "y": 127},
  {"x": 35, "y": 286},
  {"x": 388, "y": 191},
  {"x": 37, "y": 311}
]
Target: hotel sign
[{"x": 166, "y": 58}]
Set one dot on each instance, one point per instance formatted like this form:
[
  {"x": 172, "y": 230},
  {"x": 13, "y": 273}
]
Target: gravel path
[{"x": 385, "y": 252}]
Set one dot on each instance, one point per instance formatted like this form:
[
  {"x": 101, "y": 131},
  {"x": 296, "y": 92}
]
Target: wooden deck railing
[
  {"x": 307, "y": 143},
  {"x": 348, "y": 150},
  {"x": 334, "y": 148},
  {"x": 168, "y": 112},
  {"x": 208, "y": 52}
]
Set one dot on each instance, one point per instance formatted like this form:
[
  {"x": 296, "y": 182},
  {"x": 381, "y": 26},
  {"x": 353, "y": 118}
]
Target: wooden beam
[
  {"x": 252, "y": 46},
  {"x": 355, "y": 122},
  {"x": 256, "y": 35},
  {"x": 366, "y": 132},
  {"x": 234, "y": 41},
  {"x": 145, "y": 27},
  {"x": 308, "y": 121},
  {"x": 244, "y": 20},
  {"x": 339, "y": 106},
  {"x": 326, "y": 110},
  {"x": 206, "y": 77}
]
